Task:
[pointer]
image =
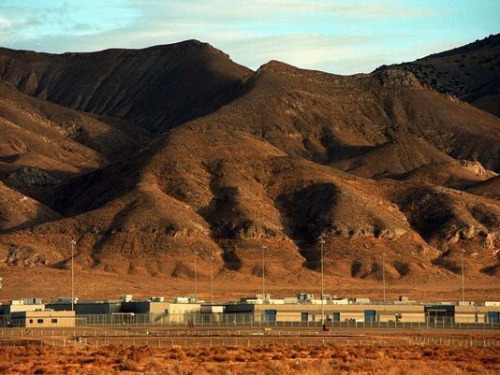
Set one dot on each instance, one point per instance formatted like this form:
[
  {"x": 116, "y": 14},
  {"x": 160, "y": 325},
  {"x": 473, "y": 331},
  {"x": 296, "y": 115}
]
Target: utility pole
[
  {"x": 195, "y": 278},
  {"x": 212, "y": 258},
  {"x": 463, "y": 277},
  {"x": 322, "y": 243},
  {"x": 263, "y": 248},
  {"x": 383, "y": 272},
  {"x": 73, "y": 243}
]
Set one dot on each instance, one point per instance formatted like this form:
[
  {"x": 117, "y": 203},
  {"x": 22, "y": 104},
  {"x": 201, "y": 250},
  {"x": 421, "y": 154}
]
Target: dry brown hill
[
  {"x": 156, "y": 88},
  {"x": 19, "y": 211},
  {"x": 327, "y": 118},
  {"x": 43, "y": 145},
  {"x": 471, "y": 72},
  {"x": 461, "y": 175},
  {"x": 489, "y": 188},
  {"x": 291, "y": 156}
]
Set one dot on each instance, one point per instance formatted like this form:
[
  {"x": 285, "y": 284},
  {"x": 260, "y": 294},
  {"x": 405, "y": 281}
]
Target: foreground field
[{"x": 258, "y": 359}]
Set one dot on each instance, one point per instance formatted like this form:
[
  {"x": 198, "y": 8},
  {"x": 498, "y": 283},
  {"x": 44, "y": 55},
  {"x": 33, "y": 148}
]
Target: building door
[
  {"x": 304, "y": 316},
  {"x": 370, "y": 316},
  {"x": 270, "y": 316},
  {"x": 440, "y": 313},
  {"x": 336, "y": 317},
  {"x": 493, "y": 317}
]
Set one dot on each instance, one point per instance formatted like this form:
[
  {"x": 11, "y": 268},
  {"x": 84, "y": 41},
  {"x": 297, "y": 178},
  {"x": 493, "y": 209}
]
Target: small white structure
[
  {"x": 26, "y": 304},
  {"x": 360, "y": 301},
  {"x": 182, "y": 299},
  {"x": 126, "y": 298},
  {"x": 157, "y": 299},
  {"x": 66, "y": 300}
]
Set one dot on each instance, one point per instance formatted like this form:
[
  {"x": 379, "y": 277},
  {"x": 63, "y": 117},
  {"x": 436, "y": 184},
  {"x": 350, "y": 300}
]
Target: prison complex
[{"x": 261, "y": 309}]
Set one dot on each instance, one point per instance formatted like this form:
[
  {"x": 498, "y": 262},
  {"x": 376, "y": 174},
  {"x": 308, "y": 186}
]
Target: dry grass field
[
  {"x": 349, "y": 351},
  {"x": 258, "y": 359}
]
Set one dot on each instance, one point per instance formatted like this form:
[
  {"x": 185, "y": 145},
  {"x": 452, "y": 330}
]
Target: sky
[{"x": 336, "y": 36}]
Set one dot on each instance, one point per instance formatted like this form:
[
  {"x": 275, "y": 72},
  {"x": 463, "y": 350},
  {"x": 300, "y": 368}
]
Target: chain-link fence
[
  {"x": 207, "y": 336},
  {"x": 251, "y": 320},
  {"x": 255, "y": 320}
]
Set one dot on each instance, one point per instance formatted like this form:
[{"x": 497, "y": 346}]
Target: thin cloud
[
  {"x": 5, "y": 23},
  {"x": 265, "y": 10},
  {"x": 315, "y": 51}
]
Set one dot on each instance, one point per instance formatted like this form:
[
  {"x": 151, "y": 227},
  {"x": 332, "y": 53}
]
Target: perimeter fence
[
  {"x": 251, "y": 320},
  {"x": 98, "y": 337},
  {"x": 254, "y": 321}
]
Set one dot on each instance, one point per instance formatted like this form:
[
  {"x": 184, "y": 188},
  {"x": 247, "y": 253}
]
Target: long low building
[
  {"x": 268, "y": 310},
  {"x": 156, "y": 310},
  {"x": 261, "y": 309},
  {"x": 42, "y": 319},
  {"x": 332, "y": 313}
]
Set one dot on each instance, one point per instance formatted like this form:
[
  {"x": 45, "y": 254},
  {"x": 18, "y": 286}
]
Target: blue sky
[{"x": 337, "y": 36}]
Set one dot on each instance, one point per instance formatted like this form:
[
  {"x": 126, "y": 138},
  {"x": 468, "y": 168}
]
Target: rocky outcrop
[
  {"x": 29, "y": 177},
  {"x": 476, "y": 168},
  {"x": 398, "y": 79},
  {"x": 23, "y": 256}
]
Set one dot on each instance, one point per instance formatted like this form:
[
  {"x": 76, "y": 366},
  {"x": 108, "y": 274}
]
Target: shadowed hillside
[
  {"x": 156, "y": 88},
  {"x": 43, "y": 145}
]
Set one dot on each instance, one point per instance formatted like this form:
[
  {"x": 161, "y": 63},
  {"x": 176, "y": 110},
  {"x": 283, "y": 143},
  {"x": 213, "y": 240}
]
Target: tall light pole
[
  {"x": 73, "y": 243},
  {"x": 383, "y": 272},
  {"x": 463, "y": 277},
  {"x": 263, "y": 248},
  {"x": 322, "y": 243},
  {"x": 195, "y": 278},
  {"x": 212, "y": 258}
]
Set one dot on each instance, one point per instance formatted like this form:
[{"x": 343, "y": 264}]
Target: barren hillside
[
  {"x": 471, "y": 73},
  {"x": 156, "y": 88},
  {"x": 383, "y": 166}
]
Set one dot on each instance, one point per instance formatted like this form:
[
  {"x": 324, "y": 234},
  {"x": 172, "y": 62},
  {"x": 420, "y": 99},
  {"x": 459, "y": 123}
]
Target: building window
[
  {"x": 53, "y": 321},
  {"x": 40, "y": 321},
  {"x": 31, "y": 321}
]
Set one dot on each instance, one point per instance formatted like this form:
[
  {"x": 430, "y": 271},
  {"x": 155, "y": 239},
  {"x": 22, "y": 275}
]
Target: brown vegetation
[{"x": 260, "y": 359}]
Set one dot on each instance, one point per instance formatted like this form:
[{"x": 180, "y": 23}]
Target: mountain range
[{"x": 151, "y": 158}]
